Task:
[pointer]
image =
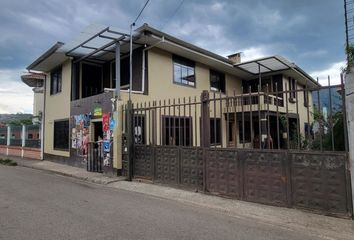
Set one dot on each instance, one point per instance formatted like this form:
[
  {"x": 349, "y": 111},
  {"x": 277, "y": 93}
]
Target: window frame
[
  {"x": 292, "y": 88},
  {"x": 183, "y": 63},
  {"x": 215, "y": 141},
  {"x": 60, "y": 148},
  {"x": 56, "y": 82},
  {"x": 222, "y": 80},
  {"x": 187, "y": 123}
]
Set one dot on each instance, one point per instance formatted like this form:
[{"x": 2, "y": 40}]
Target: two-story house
[{"x": 163, "y": 68}]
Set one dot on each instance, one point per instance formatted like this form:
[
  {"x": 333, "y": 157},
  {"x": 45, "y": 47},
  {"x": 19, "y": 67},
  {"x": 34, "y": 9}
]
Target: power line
[
  {"x": 141, "y": 11},
  {"x": 175, "y": 12}
]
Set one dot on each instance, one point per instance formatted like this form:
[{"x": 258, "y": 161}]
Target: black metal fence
[
  {"x": 279, "y": 146},
  {"x": 303, "y": 119},
  {"x": 95, "y": 157}
]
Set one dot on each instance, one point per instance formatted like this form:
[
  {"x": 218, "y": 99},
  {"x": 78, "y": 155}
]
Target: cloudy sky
[{"x": 309, "y": 33}]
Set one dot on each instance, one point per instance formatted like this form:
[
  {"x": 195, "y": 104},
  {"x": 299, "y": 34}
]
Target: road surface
[{"x": 40, "y": 205}]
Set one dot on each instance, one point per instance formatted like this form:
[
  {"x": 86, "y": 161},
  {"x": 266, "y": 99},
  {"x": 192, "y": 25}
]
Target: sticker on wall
[
  {"x": 112, "y": 124},
  {"x": 105, "y": 122},
  {"x": 106, "y": 146},
  {"x": 97, "y": 112}
]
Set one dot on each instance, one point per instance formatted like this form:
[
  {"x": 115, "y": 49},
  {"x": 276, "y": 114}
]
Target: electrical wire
[
  {"x": 172, "y": 16},
  {"x": 141, "y": 11}
]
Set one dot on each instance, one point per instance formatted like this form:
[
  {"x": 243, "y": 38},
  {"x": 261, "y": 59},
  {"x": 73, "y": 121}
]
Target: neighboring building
[
  {"x": 36, "y": 82},
  {"x": 164, "y": 67}
]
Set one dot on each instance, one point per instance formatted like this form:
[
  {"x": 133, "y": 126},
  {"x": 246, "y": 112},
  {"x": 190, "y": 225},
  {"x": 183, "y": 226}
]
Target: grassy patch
[{"x": 8, "y": 162}]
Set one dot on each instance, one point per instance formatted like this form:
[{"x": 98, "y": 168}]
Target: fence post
[
  {"x": 205, "y": 132},
  {"x": 130, "y": 138},
  {"x": 23, "y": 139},
  {"x": 8, "y": 142}
]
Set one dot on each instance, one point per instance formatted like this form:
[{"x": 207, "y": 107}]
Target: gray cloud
[{"x": 309, "y": 33}]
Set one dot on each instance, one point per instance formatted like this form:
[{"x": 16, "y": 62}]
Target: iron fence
[
  {"x": 278, "y": 147},
  {"x": 304, "y": 119}
]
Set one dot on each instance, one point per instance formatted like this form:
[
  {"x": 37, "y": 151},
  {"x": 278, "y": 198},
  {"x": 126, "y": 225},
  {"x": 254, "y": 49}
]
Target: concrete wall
[{"x": 57, "y": 108}]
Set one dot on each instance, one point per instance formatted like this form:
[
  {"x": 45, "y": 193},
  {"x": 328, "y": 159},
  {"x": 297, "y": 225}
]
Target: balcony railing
[{"x": 254, "y": 101}]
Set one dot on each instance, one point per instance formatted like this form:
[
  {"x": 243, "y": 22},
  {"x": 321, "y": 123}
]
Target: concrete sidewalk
[
  {"x": 65, "y": 170},
  {"x": 287, "y": 218}
]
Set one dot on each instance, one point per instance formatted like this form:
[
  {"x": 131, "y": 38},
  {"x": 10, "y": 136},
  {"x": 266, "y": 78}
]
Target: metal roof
[{"x": 265, "y": 65}]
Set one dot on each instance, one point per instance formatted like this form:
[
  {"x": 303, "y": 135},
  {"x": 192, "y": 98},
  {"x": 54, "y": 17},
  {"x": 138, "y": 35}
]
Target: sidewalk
[
  {"x": 286, "y": 218},
  {"x": 65, "y": 170}
]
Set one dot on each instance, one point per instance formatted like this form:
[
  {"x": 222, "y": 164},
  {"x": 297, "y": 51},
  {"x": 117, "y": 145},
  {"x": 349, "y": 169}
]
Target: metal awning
[
  {"x": 96, "y": 43},
  {"x": 265, "y": 65}
]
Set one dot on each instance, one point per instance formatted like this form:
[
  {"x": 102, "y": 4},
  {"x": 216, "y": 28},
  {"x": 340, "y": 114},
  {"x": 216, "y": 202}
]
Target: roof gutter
[{"x": 45, "y": 55}]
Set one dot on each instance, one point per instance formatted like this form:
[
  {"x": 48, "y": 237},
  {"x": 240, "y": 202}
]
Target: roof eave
[{"x": 45, "y": 55}]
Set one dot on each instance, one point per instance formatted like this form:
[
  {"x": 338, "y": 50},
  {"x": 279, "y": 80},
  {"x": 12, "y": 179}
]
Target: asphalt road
[{"x": 39, "y": 205}]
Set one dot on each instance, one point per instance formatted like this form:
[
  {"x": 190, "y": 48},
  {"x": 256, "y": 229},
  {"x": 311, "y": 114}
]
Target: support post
[
  {"x": 130, "y": 137},
  {"x": 8, "y": 139},
  {"x": 23, "y": 139},
  {"x": 205, "y": 131}
]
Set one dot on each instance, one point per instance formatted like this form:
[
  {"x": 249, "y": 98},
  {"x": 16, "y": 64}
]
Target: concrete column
[
  {"x": 23, "y": 139},
  {"x": 8, "y": 135},
  {"x": 8, "y": 139},
  {"x": 23, "y": 135},
  {"x": 349, "y": 100}
]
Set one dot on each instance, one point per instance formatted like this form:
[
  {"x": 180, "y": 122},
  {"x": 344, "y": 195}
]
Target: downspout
[
  {"x": 143, "y": 62},
  {"x": 43, "y": 117}
]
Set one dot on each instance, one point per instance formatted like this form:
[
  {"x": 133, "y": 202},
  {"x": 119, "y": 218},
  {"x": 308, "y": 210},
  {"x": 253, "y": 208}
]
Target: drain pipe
[{"x": 143, "y": 62}]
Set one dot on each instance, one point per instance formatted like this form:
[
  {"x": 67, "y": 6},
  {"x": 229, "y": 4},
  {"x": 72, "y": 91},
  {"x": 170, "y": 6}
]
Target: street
[{"x": 39, "y": 205}]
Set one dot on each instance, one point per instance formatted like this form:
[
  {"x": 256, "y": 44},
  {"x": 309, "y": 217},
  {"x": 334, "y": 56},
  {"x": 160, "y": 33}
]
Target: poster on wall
[
  {"x": 105, "y": 122},
  {"x": 80, "y": 134}
]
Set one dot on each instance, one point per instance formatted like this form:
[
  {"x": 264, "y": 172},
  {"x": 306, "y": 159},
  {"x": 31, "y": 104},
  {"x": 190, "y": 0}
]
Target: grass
[{"x": 8, "y": 162}]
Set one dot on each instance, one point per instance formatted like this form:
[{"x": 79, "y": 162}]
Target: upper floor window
[
  {"x": 55, "y": 81},
  {"x": 292, "y": 88},
  {"x": 217, "y": 81},
  {"x": 306, "y": 97},
  {"x": 183, "y": 71}
]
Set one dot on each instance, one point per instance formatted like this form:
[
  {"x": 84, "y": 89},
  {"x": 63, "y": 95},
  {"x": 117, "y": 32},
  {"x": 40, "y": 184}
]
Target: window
[
  {"x": 215, "y": 131},
  {"x": 292, "y": 88},
  {"x": 306, "y": 98},
  {"x": 61, "y": 134},
  {"x": 217, "y": 81},
  {"x": 244, "y": 133},
  {"x": 91, "y": 77},
  {"x": 30, "y": 136},
  {"x": 55, "y": 81},
  {"x": 183, "y": 71},
  {"x": 139, "y": 129},
  {"x": 177, "y": 131}
]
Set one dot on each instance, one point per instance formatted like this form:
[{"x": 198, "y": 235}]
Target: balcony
[{"x": 253, "y": 102}]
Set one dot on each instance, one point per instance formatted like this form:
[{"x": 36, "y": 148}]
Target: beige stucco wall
[
  {"x": 38, "y": 103},
  {"x": 57, "y": 107},
  {"x": 162, "y": 87}
]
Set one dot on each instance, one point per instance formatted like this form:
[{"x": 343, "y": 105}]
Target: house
[{"x": 165, "y": 68}]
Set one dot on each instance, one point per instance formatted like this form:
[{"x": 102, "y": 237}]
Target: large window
[
  {"x": 55, "y": 81},
  {"x": 217, "y": 81},
  {"x": 183, "y": 71},
  {"x": 215, "y": 131},
  {"x": 177, "y": 131},
  {"x": 91, "y": 76},
  {"x": 61, "y": 135}
]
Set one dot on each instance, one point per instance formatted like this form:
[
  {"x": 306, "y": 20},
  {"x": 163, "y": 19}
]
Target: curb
[{"x": 95, "y": 179}]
